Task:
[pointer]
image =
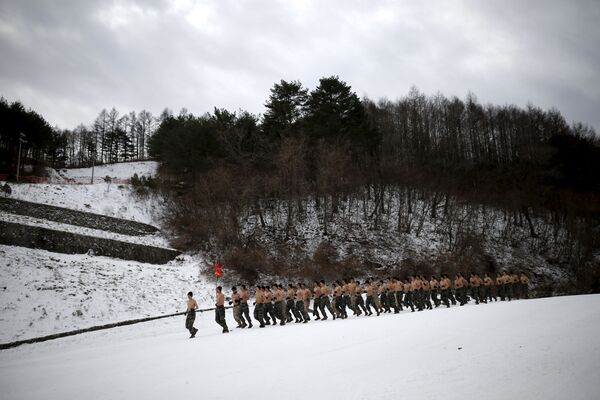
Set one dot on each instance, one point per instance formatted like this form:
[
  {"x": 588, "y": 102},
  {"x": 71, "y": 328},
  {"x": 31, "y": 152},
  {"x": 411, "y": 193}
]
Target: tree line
[
  {"x": 325, "y": 151},
  {"x": 111, "y": 137}
]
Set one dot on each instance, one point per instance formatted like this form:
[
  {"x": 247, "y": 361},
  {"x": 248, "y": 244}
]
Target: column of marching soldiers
[{"x": 278, "y": 304}]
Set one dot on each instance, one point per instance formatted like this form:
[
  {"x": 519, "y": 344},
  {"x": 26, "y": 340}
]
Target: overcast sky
[{"x": 69, "y": 59}]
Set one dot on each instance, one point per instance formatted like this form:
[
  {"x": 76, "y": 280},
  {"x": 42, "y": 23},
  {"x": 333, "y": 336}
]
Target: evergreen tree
[
  {"x": 286, "y": 107},
  {"x": 335, "y": 111}
]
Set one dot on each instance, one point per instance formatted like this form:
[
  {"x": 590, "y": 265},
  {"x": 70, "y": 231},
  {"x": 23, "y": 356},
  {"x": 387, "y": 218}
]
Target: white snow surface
[
  {"x": 43, "y": 293},
  {"x": 114, "y": 200},
  {"x": 529, "y": 349},
  {"x": 115, "y": 171}
]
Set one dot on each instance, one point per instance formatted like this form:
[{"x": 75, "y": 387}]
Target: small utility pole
[
  {"x": 21, "y": 140},
  {"x": 94, "y": 156}
]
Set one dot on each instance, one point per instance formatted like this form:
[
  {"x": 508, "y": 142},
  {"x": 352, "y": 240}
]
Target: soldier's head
[
  {"x": 234, "y": 289},
  {"x": 219, "y": 289},
  {"x": 244, "y": 287},
  {"x": 323, "y": 281},
  {"x": 190, "y": 295}
]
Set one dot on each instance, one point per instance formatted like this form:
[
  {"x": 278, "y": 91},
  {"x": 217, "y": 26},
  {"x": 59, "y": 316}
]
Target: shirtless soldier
[
  {"x": 290, "y": 305},
  {"x": 190, "y": 314},
  {"x": 279, "y": 306},
  {"x": 445, "y": 290},
  {"x": 220, "y": 309},
  {"x": 359, "y": 302},
  {"x": 300, "y": 304},
  {"x": 236, "y": 300},
  {"x": 324, "y": 302},
  {"x": 244, "y": 310},
  {"x": 524, "y": 280},
  {"x": 259, "y": 307},
  {"x": 316, "y": 300}
]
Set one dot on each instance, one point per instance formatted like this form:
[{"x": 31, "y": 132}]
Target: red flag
[{"x": 218, "y": 269}]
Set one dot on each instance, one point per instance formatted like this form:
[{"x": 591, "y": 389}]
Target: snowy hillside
[
  {"x": 532, "y": 349},
  {"x": 42, "y": 293},
  {"x": 114, "y": 200},
  {"x": 115, "y": 171}
]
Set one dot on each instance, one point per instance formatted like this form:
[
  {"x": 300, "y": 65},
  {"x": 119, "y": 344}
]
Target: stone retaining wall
[
  {"x": 74, "y": 217},
  {"x": 13, "y": 234}
]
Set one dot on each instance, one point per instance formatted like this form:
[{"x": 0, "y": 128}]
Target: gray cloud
[{"x": 70, "y": 59}]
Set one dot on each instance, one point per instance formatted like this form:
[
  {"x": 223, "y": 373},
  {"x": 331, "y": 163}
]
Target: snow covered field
[
  {"x": 115, "y": 171},
  {"x": 42, "y": 293},
  {"x": 533, "y": 349},
  {"x": 114, "y": 200}
]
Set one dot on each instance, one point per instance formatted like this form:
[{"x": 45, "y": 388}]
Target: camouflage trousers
[
  {"x": 301, "y": 310},
  {"x": 316, "y": 306},
  {"x": 383, "y": 300},
  {"x": 220, "y": 317},
  {"x": 269, "y": 312},
  {"x": 279, "y": 309},
  {"x": 347, "y": 301},
  {"x": 289, "y": 309},
  {"x": 486, "y": 293},
  {"x": 461, "y": 296},
  {"x": 245, "y": 312},
  {"x": 339, "y": 306},
  {"x": 259, "y": 314},
  {"x": 524, "y": 290},
  {"x": 445, "y": 297},
  {"x": 427, "y": 299},
  {"x": 399, "y": 296},
  {"x": 325, "y": 303},
  {"x": 371, "y": 302},
  {"x": 476, "y": 294},
  {"x": 408, "y": 300},
  {"x": 359, "y": 304},
  {"x": 237, "y": 315},
  {"x": 435, "y": 298},
  {"x": 189, "y": 320}
]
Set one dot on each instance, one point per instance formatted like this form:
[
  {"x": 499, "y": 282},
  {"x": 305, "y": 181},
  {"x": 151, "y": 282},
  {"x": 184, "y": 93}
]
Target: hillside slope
[{"x": 532, "y": 349}]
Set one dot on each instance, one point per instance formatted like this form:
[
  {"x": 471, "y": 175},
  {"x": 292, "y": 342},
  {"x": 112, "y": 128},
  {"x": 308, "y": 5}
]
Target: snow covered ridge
[
  {"x": 113, "y": 200},
  {"x": 535, "y": 350}
]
